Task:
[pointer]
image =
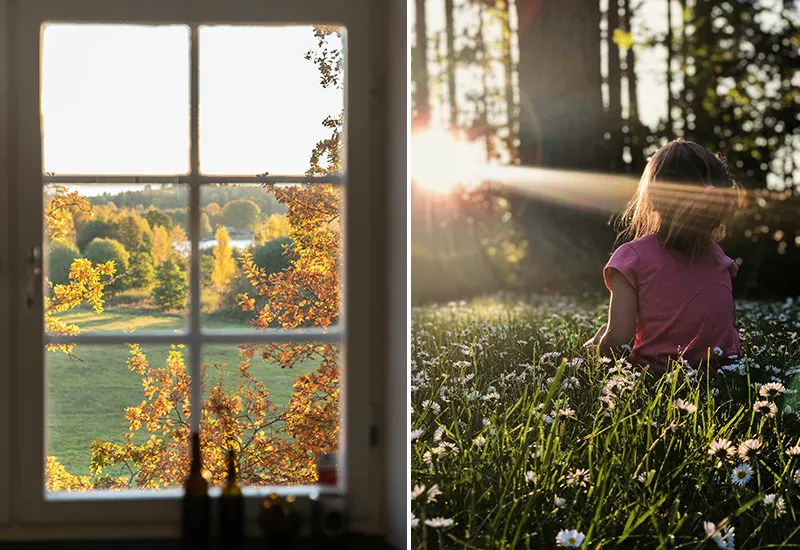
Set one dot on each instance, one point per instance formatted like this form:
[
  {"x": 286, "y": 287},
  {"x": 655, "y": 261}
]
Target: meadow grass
[
  {"x": 87, "y": 395},
  {"x": 520, "y": 436}
]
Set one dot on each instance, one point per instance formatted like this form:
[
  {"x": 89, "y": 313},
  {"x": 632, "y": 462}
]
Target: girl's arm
[
  {"x": 595, "y": 340},
  {"x": 621, "y": 314}
]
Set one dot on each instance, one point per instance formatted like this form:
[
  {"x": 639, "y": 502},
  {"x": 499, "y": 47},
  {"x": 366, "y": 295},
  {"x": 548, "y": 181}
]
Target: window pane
[
  {"x": 115, "y": 99},
  {"x": 142, "y": 230},
  {"x": 277, "y": 405},
  {"x": 106, "y": 405},
  {"x": 262, "y": 103},
  {"x": 271, "y": 257}
]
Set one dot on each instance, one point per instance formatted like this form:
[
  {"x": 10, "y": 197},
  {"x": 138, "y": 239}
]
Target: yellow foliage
[
  {"x": 162, "y": 244},
  {"x": 224, "y": 264}
]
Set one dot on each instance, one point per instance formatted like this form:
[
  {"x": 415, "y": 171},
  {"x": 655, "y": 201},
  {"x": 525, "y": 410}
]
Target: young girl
[{"x": 671, "y": 286}]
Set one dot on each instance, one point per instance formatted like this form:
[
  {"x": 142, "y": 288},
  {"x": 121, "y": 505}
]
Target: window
[{"x": 150, "y": 131}]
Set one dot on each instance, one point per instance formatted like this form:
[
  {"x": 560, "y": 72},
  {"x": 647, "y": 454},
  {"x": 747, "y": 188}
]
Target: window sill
[{"x": 258, "y": 493}]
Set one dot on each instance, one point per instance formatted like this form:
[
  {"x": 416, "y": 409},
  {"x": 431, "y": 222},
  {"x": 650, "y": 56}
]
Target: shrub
[
  {"x": 142, "y": 272},
  {"x": 59, "y": 259},
  {"x": 271, "y": 255},
  {"x": 240, "y": 214},
  {"x": 91, "y": 230},
  {"x": 100, "y": 251},
  {"x": 170, "y": 290}
]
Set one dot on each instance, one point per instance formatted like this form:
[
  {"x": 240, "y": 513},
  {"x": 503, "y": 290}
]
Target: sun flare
[{"x": 441, "y": 160}]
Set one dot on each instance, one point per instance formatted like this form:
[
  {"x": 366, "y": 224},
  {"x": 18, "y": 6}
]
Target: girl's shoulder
[{"x": 643, "y": 246}]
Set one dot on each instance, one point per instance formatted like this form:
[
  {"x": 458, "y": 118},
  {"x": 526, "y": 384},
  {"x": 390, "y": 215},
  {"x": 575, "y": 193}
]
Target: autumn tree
[
  {"x": 132, "y": 231},
  {"x": 157, "y": 218},
  {"x": 86, "y": 282},
  {"x": 162, "y": 244},
  {"x": 240, "y": 214},
  {"x": 274, "y": 227},
  {"x": 224, "y": 264}
]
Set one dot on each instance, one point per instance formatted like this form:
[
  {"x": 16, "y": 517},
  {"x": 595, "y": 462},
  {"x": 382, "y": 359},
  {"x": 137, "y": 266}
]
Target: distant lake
[{"x": 211, "y": 243}]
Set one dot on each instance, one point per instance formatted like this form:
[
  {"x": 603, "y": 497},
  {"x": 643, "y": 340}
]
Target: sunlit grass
[
  {"x": 87, "y": 396},
  {"x": 508, "y": 423}
]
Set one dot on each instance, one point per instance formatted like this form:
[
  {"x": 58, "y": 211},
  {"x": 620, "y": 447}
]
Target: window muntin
[{"x": 176, "y": 374}]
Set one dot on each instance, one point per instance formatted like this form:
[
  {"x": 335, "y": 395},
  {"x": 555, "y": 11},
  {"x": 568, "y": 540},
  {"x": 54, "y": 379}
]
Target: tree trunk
[
  {"x": 634, "y": 125},
  {"x": 508, "y": 66},
  {"x": 670, "y": 99},
  {"x": 451, "y": 62},
  {"x": 684, "y": 66},
  {"x": 561, "y": 106},
  {"x": 420, "y": 68},
  {"x": 614, "y": 89}
]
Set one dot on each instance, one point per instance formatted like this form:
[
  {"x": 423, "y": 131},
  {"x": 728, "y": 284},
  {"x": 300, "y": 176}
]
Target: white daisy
[
  {"x": 578, "y": 477},
  {"x": 771, "y": 389},
  {"x": 748, "y": 449},
  {"x": 793, "y": 451},
  {"x": 414, "y": 520},
  {"x": 437, "y": 435},
  {"x": 796, "y": 476},
  {"x": 530, "y": 477},
  {"x": 570, "y": 539},
  {"x": 741, "y": 474},
  {"x": 608, "y": 402},
  {"x": 766, "y": 408},
  {"x": 723, "y": 540},
  {"x": 722, "y": 449},
  {"x": 563, "y": 414},
  {"x": 433, "y": 492},
  {"x": 439, "y": 522},
  {"x": 560, "y": 502},
  {"x": 415, "y": 434},
  {"x": 776, "y": 502},
  {"x": 417, "y": 491},
  {"x": 479, "y": 441},
  {"x": 685, "y": 406}
]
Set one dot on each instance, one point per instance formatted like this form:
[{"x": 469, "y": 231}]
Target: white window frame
[{"x": 24, "y": 508}]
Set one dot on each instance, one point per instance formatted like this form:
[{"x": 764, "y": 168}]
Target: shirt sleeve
[
  {"x": 626, "y": 261},
  {"x": 733, "y": 269}
]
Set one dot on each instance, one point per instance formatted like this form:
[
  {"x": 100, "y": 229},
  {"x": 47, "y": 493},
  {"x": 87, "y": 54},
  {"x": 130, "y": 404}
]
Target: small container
[{"x": 327, "y": 469}]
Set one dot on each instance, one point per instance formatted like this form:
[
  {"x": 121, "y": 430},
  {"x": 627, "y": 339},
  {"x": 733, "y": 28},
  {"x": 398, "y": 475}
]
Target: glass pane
[
  {"x": 142, "y": 230},
  {"x": 262, "y": 103},
  {"x": 277, "y": 405},
  {"x": 271, "y": 257},
  {"x": 115, "y": 99},
  {"x": 109, "y": 405}
]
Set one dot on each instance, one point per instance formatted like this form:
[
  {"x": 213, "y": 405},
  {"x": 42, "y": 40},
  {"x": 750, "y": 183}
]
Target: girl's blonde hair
[{"x": 685, "y": 196}]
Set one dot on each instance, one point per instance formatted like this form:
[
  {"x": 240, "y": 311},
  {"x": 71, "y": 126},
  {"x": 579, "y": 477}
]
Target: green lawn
[{"x": 86, "y": 398}]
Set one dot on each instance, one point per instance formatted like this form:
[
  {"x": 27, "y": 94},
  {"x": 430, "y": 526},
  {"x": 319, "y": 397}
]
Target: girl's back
[
  {"x": 671, "y": 291},
  {"x": 684, "y": 306}
]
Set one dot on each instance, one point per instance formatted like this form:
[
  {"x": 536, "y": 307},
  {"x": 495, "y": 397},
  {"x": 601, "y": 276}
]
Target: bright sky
[{"x": 115, "y": 99}]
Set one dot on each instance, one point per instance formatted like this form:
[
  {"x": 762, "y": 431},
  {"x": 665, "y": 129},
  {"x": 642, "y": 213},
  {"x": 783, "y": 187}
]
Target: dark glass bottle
[
  {"x": 196, "y": 517},
  {"x": 231, "y": 509}
]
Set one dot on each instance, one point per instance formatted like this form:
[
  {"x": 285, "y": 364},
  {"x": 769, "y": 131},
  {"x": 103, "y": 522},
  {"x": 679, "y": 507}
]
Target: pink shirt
[{"x": 681, "y": 306}]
